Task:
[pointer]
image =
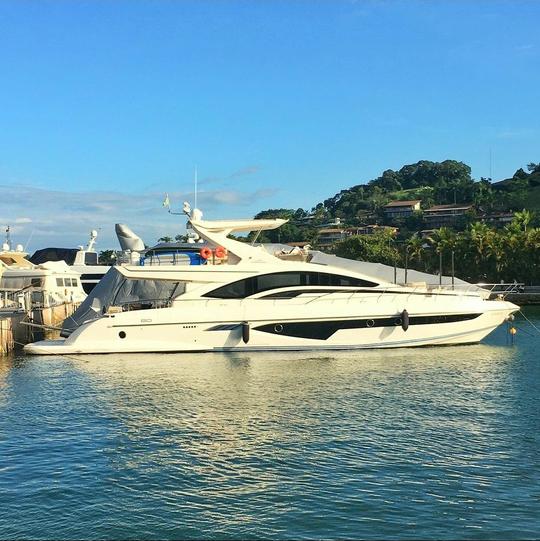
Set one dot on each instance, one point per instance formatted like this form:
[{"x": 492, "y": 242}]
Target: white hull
[{"x": 217, "y": 325}]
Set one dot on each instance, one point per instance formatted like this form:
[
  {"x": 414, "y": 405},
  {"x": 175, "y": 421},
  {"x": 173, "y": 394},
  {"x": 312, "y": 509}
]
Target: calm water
[{"x": 439, "y": 442}]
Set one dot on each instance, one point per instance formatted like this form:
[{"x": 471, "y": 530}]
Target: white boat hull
[{"x": 217, "y": 325}]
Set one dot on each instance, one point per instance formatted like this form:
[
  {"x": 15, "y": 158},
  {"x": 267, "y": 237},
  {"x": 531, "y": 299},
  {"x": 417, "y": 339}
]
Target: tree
[
  {"x": 378, "y": 248},
  {"x": 107, "y": 257},
  {"x": 522, "y": 219},
  {"x": 388, "y": 181},
  {"x": 415, "y": 248},
  {"x": 483, "y": 195},
  {"x": 443, "y": 239},
  {"x": 165, "y": 239}
]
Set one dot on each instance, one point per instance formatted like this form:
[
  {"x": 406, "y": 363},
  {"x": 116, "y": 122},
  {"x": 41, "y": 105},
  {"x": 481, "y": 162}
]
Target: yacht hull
[{"x": 262, "y": 325}]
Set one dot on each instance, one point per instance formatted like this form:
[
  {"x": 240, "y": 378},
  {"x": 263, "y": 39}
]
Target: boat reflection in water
[
  {"x": 424, "y": 443},
  {"x": 233, "y": 411}
]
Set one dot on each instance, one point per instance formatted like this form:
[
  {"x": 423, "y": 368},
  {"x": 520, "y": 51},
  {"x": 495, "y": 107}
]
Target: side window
[
  {"x": 326, "y": 279},
  {"x": 274, "y": 281},
  {"x": 257, "y": 284},
  {"x": 60, "y": 282},
  {"x": 236, "y": 290}
]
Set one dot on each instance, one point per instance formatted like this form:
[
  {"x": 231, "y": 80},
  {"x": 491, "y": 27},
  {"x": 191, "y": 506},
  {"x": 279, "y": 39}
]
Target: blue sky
[{"x": 104, "y": 106}]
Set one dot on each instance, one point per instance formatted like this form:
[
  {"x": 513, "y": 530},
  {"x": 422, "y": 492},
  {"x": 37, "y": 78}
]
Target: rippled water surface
[{"x": 434, "y": 442}]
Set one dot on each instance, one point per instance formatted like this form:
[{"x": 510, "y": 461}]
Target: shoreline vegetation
[{"x": 484, "y": 250}]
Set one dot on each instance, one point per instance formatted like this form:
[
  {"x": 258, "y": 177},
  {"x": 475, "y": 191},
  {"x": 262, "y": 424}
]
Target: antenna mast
[{"x": 8, "y": 237}]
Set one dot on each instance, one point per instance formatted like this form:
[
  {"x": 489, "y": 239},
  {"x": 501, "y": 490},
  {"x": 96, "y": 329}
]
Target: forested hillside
[
  {"x": 434, "y": 183},
  {"x": 482, "y": 251}
]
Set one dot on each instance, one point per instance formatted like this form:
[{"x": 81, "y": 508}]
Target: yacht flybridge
[{"x": 244, "y": 297}]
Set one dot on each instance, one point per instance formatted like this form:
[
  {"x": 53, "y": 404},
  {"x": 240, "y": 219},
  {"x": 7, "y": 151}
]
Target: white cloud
[{"x": 64, "y": 219}]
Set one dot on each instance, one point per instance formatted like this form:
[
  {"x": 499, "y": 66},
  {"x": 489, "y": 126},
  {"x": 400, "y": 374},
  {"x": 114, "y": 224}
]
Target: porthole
[
  {"x": 122, "y": 334},
  {"x": 370, "y": 323},
  {"x": 398, "y": 322},
  {"x": 278, "y": 327}
]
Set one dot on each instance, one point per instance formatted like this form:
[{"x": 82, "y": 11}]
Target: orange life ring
[
  {"x": 205, "y": 252},
  {"x": 220, "y": 252}
]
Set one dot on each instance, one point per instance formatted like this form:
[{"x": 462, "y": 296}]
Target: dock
[
  {"x": 526, "y": 296},
  {"x": 23, "y": 320}
]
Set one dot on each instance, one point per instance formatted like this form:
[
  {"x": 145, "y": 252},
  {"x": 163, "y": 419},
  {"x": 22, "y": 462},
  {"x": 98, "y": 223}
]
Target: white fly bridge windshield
[{"x": 124, "y": 294}]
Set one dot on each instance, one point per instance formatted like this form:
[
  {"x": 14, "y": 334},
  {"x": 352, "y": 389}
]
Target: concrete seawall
[{"x": 528, "y": 295}]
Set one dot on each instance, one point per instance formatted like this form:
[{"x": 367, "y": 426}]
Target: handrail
[{"x": 11, "y": 296}]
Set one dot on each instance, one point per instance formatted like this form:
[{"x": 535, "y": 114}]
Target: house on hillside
[
  {"x": 336, "y": 222},
  {"x": 498, "y": 219},
  {"x": 328, "y": 237},
  {"x": 401, "y": 209},
  {"x": 372, "y": 229},
  {"x": 446, "y": 215}
]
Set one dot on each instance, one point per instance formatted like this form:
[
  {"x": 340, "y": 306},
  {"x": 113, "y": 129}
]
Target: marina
[
  {"x": 269, "y": 270},
  {"x": 34, "y": 299}
]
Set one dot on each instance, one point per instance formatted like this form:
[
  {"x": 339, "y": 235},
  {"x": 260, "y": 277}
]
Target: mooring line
[
  {"x": 531, "y": 323},
  {"x": 521, "y": 329}
]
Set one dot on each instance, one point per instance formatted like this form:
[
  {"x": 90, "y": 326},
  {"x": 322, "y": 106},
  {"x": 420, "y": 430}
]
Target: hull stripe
[{"x": 322, "y": 330}]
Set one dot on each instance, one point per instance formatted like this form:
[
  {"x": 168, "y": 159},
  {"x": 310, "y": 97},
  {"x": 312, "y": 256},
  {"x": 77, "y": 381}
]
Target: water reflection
[
  {"x": 430, "y": 442},
  {"x": 227, "y": 411}
]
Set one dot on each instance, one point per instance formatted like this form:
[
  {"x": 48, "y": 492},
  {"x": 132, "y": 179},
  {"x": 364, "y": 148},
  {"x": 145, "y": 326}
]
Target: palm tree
[
  {"x": 443, "y": 239},
  {"x": 523, "y": 219},
  {"x": 415, "y": 247},
  {"x": 480, "y": 236}
]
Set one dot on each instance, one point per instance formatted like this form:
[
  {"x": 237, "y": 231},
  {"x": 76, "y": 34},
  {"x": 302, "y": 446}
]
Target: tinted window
[
  {"x": 273, "y": 281},
  {"x": 257, "y": 284},
  {"x": 90, "y": 258}
]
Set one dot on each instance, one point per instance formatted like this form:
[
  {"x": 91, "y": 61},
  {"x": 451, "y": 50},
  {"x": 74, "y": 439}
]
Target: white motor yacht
[
  {"x": 246, "y": 298},
  {"x": 48, "y": 284},
  {"x": 82, "y": 260}
]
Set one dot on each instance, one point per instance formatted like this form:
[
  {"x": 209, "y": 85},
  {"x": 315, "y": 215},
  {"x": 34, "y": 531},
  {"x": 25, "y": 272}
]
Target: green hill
[{"x": 434, "y": 183}]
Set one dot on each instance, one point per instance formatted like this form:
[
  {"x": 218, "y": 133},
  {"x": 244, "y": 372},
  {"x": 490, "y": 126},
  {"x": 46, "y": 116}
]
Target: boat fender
[
  {"x": 245, "y": 332},
  {"x": 404, "y": 320},
  {"x": 220, "y": 252},
  {"x": 205, "y": 253}
]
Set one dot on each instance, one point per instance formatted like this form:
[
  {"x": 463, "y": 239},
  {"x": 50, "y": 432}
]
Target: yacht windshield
[
  {"x": 141, "y": 294},
  {"x": 114, "y": 289}
]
